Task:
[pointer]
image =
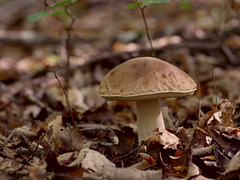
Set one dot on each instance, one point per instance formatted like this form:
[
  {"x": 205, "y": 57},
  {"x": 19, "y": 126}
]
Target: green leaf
[
  {"x": 133, "y": 5},
  {"x": 62, "y": 3},
  {"x": 149, "y": 2},
  {"x": 185, "y": 5},
  {"x": 146, "y": 3},
  {"x": 41, "y": 14},
  {"x": 58, "y": 12},
  {"x": 37, "y": 16}
]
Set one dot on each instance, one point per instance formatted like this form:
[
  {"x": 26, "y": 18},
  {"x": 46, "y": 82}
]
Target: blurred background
[{"x": 202, "y": 37}]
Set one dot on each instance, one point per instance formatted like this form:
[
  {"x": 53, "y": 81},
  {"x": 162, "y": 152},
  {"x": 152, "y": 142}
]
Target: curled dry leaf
[
  {"x": 223, "y": 117},
  {"x": 64, "y": 137},
  {"x": 185, "y": 135},
  {"x": 204, "y": 120},
  {"x": 17, "y": 133},
  {"x": 58, "y": 135},
  {"x": 76, "y": 137},
  {"x": 76, "y": 99},
  {"x": 220, "y": 117},
  {"x": 165, "y": 138},
  {"x": 228, "y": 109}
]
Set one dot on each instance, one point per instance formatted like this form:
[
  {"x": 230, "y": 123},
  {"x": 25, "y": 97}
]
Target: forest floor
[{"x": 41, "y": 139}]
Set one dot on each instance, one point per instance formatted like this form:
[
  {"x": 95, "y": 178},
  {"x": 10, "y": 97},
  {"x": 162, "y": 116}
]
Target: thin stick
[
  {"x": 200, "y": 102},
  {"x": 33, "y": 153},
  {"x": 68, "y": 49},
  {"x": 66, "y": 96},
  {"x": 147, "y": 30},
  {"x": 128, "y": 154},
  {"x": 214, "y": 80}
]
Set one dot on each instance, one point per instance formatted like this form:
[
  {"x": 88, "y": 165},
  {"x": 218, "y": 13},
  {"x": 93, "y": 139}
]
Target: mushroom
[{"x": 145, "y": 80}]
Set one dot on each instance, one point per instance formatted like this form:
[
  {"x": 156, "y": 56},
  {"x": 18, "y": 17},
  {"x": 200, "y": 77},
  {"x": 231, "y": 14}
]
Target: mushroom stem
[{"x": 149, "y": 117}]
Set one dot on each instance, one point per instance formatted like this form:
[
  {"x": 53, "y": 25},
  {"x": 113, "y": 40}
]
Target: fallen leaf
[
  {"x": 233, "y": 166},
  {"x": 165, "y": 138},
  {"x": 97, "y": 164}
]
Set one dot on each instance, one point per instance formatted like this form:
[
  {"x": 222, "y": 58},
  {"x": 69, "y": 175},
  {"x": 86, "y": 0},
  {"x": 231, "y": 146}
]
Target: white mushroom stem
[{"x": 149, "y": 117}]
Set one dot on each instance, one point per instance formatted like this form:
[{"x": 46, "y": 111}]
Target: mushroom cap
[{"x": 145, "y": 78}]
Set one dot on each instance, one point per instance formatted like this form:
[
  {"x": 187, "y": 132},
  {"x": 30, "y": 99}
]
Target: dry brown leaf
[
  {"x": 233, "y": 165},
  {"x": 17, "y": 133},
  {"x": 68, "y": 158},
  {"x": 202, "y": 151},
  {"x": 165, "y": 138},
  {"x": 76, "y": 138},
  {"x": 193, "y": 171},
  {"x": 127, "y": 140},
  {"x": 98, "y": 165},
  {"x": 91, "y": 97},
  {"x": 227, "y": 82},
  {"x": 230, "y": 146},
  {"x": 62, "y": 137},
  {"x": 75, "y": 97},
  {"x": 220, "y": 117},
  {"x": 9, "y": 165}
]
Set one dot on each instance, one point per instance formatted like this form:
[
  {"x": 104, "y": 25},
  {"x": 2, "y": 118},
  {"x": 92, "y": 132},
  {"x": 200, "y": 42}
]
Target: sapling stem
[
  {"x": 68, "y": 29},
  {"x": 147, "y": 30},
  {"x": 214, "y": 81},
  {"x": 66, "y": 96},
  {"x": 68, "y": 49}
]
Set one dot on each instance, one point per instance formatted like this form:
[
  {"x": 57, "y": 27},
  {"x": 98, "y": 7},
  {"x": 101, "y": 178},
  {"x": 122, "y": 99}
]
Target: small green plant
[
  {"x": 39, "y": 15},
  {"x": 50, "y": 9},
  {"x": 142, "y": 5}
]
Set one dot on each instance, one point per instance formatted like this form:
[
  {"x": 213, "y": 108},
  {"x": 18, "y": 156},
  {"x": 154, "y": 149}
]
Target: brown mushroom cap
[{"x": 146, "y": 78}]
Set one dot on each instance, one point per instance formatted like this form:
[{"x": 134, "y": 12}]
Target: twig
[
  {"x": 128, "y": 154},
  {"x": 147, "y": 30},
  {"x": 199, "y": 113},
  {"x": 45, "y": 4},
  {"x": 66, "y": 96},
  {"x": 34, "y": 152},
  {"x": 214, "y": 80},
  {"x": 68, "y": 30},
  {"x": 227, "y": 51},
  {"x": 68, "y": 49},
  {"x": 200, "y": 102}
]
